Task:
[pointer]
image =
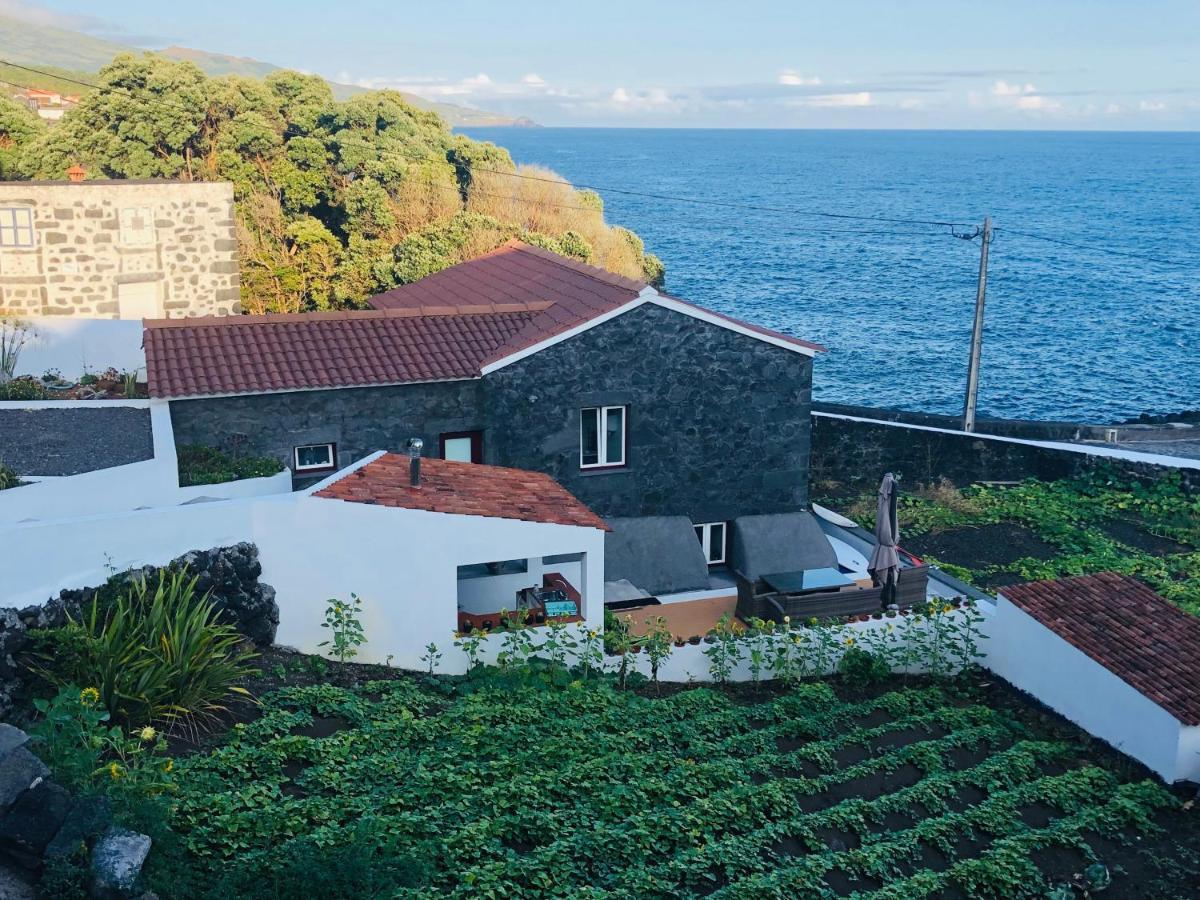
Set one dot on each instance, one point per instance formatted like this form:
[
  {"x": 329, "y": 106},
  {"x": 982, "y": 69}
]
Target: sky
[{"x": 1053, "y": 64}]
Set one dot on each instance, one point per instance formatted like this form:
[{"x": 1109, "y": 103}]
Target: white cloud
[
  {"x": 1037, "y": 102},
  {"x": 1004, "y": 89},
  {"x": 1152, "y": 106},
  {"x": 792, "y": 77},
  {"x": 1113, "y": 109},
  {"x": 533, "y": 79},
  {"x": 826, "y": 101}
]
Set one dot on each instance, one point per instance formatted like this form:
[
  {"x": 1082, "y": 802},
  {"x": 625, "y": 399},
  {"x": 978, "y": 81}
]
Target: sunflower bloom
[
  {"x": 89, "y": 696},
  {"x": 147, "y": 734},
  {"x": 115, "y": 771}
]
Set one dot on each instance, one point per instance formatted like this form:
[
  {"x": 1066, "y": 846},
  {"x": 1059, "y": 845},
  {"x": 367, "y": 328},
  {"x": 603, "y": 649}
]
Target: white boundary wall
[
  {"x": 77, "y": 345},
  {"x": 1035, "y": 659},
  {"x": 403, "y": 563},
  {"x": 150, "y": 483}
]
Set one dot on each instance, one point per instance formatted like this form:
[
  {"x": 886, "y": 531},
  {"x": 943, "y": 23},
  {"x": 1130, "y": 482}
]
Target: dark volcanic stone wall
[
  {"x": 718, "y": 422},
  {"x": 358, "y": 420}
]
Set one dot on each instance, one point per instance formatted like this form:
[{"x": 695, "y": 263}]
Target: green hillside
[{"x": 78, "y": 55}]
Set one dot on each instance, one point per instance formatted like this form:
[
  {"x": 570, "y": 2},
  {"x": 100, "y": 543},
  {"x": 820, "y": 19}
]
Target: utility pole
[{"x": 977, "y": 331}]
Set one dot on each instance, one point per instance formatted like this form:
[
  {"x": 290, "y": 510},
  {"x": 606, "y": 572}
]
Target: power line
[
  {"x": 727, "y": 204},
  {"x": 1093, "y": 247}
]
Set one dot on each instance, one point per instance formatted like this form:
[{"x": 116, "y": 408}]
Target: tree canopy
[{"x": 335, "y": 201}]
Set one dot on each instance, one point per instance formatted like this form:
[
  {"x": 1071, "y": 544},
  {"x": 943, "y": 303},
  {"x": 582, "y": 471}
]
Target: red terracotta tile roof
[
  {"x": 462, "y": 488},
  {"x": 257, "y": 354},
  {"x": 1128, "y": 629},
  {"x": 452, "y": 324},
  {"x": 520, "y": 272}
]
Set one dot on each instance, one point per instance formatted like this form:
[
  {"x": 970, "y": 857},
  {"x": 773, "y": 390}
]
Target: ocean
[{"x": 1070, "y": 333}]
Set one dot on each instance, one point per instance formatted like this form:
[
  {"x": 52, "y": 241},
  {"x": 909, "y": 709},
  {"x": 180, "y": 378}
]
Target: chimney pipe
[
  {"x": 415, "y": 445},
  {"x": 76, "y": 173}
]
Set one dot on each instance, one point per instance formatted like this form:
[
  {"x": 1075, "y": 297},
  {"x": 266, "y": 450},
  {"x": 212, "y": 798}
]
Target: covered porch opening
[{"x": 535, "y": 590}]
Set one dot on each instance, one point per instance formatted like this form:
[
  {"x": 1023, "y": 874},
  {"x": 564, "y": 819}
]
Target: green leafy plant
[
  {"x": 75, "y": 739},
  {"x": 156, "y": 654},
  {"x": 657, "y": 644},
  {"x": 23, "y": 388},
  {"x": 591, "y": 653},
  {"x": 861, "y": 668},
  {"x": 129, "y": 384},
  {"x": 8, "y": 477},
  {"x": 208, "y": 465},
  {"x": 725, "y": 652},
  {"x": 431, "y": 657},
  {"x": 343, "y": 619},
  {"x": 471, "y": 643}
]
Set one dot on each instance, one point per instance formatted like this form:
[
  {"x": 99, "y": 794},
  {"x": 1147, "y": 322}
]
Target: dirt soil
[
  {"x": 1001, "y": 544},
  {"x": 1131, "y": 534}
]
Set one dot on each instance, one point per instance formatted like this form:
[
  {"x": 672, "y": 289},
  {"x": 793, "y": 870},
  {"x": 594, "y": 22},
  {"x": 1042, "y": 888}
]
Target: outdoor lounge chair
[
  {"x": 823, "y": 604},
  {"x": 912, "y": 586}
]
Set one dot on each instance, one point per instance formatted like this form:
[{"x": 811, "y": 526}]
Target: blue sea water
[{"x": 1070, "y": 333}]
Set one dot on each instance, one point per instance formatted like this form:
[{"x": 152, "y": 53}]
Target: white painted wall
[
  {"x": 1036, "y": 660},
  {"x": 404, "y": 565},
  {"x": 39, "y": 559},
  {"x": 150, "y": 483},
  {"x": 76, "y": 345}
]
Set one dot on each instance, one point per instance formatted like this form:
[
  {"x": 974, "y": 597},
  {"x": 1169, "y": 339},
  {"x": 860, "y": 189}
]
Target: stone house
[
  {"x": 638, "y": 403},
  {"x": 117, "y": 249}
]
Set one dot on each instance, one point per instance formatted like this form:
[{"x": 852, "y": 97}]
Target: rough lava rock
[{"x": 117, "y": 862}]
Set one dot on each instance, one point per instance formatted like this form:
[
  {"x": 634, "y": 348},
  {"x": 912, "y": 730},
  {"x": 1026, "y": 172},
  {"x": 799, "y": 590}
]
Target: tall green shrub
[{"x": 157, "y": 654}]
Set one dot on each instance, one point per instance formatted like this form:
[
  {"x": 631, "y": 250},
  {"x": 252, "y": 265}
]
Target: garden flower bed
[
  {"x": 996, "y": 535},
  {"x": 520, "y": 784}
]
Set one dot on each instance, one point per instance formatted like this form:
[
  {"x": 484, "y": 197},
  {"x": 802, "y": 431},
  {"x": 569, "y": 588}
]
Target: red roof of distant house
[
  {"x": 453, "y": 324},
  {"x": 1128, "y": 629},
  {"x": 260, "y": 354},
  {"x": 465, "y": 489}
]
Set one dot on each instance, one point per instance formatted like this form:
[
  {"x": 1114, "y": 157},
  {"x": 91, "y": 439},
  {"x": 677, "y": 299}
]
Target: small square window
[
  {"x": 16, "y": 227},
  {"x": 602, "y": 437},
  {"x": 712, "y": 539},
  {"x": 137, "y": 226},
  {"x": 314, "y": 457}
]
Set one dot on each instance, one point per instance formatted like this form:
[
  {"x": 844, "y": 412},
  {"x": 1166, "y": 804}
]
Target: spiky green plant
[{"x": 157, "y": 654}]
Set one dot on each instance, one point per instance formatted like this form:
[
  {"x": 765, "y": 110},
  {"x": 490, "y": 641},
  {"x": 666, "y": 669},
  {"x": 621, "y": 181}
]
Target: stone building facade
[
  {"x": 117, "y": 249},
  {"x": 718, "y": 422}
]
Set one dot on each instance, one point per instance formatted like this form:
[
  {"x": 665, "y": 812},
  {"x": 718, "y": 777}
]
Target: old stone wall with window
[{"x": 118, "y": 249}]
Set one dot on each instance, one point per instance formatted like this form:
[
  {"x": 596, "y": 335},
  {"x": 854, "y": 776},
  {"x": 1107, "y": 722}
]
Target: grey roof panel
[
  {"x": 659, "y": 554},
  {"x": 784, "y": 542},
  {"x": 72, "y": 440}
]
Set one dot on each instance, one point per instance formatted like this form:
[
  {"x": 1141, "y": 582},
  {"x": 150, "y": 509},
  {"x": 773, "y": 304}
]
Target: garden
[
  {"x": 994, "y": 535},
  {"x": 563, "y": 770}
]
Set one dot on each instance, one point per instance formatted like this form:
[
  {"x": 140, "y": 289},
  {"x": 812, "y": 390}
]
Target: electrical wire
[
  {"x": 726, "y": 204},
  {"x": 1092, "y": 247}
]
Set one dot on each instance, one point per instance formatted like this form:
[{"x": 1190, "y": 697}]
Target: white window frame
[
  {"x": 297, "y": 467},
  {"x": 704, "y": 533},
  {"x": 602, "y": 437},
  {"x": 16, "y": 227}
]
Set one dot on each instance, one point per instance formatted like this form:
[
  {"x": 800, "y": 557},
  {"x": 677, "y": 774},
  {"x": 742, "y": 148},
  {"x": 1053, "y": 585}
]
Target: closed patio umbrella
[{"x": 884, "y": 565}]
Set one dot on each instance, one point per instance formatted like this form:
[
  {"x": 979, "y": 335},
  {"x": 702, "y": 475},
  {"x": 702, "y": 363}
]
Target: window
[
  {"x": 137, "y": 227},
  {"x": 712, "y": 539},
  {"x": 602, "y": 437},
  {"x": 463, "y": 446},
  {"x": 16, "y": 227},
  {"x": 314, "y": 457}
]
